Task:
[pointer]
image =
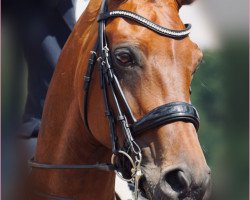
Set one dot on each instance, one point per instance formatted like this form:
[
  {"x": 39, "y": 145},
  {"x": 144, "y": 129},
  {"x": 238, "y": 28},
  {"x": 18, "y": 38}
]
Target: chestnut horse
[{"x": 141, "y": 114}]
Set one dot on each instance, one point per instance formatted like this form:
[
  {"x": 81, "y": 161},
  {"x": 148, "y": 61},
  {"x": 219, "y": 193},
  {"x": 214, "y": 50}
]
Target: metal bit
[{"x": 136, "y": 182}]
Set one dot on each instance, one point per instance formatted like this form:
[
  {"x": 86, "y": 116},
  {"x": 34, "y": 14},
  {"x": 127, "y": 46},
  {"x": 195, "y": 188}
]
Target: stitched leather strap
[{"x": 165, "y": 114}]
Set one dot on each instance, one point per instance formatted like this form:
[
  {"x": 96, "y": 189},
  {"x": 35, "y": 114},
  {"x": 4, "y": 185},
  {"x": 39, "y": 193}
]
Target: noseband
[{"x": 162, "y": 115}]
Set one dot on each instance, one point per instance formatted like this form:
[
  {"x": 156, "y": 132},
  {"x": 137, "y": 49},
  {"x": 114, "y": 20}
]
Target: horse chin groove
[
  {"x": 145, "y": 191},
  {"x": 193, "y": 194}
]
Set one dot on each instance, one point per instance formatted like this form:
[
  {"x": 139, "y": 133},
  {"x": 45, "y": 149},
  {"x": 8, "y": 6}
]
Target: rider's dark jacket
[{"x": 42, "y": 28}]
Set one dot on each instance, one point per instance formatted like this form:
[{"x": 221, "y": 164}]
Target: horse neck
[
  {"x": 63, "y": 139},
  {"x": 73, "y": 146}
]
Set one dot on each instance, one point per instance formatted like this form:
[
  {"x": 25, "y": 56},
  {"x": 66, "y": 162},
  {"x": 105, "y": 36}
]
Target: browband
[
  {"x": 145, "y": 22},
  {"x": 165, "y": 114}
]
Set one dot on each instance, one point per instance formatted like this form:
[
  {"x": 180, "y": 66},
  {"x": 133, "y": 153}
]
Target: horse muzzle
[{"x": 177, "y": 183}]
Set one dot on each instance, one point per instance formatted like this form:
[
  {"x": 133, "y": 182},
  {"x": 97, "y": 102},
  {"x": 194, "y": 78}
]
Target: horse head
[
  {"x": 135, "y": 104},
  {"x": 155, "y": 70}
]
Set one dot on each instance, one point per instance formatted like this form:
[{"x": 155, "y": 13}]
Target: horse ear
[{"x": 184, "y": 2}]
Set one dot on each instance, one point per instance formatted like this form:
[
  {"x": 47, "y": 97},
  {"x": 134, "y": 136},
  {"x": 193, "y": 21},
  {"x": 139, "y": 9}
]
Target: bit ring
[{"x": 119, "y": 174}]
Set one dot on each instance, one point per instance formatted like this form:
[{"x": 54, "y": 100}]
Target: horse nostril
[
  {"x": 182, "y": 182},
  {"x": 177, "y": 180}
]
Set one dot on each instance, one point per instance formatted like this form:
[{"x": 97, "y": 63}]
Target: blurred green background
[{"x": 220, "y": 91}]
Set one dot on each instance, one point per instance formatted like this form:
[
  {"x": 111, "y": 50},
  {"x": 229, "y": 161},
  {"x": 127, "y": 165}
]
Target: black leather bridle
[{"x": 164, "y": 114}]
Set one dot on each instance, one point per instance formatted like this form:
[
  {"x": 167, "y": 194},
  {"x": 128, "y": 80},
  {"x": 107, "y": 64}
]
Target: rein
[{"x": 165, "y": 114}]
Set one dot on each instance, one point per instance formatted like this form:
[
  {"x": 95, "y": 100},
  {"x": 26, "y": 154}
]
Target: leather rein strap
[{"x": 99, "y": 166}]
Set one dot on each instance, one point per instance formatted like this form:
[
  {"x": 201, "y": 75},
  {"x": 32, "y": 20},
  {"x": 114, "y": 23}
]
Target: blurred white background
[
  {"x": 212, "y": 21},
  {"x": 215, "y": 21}
]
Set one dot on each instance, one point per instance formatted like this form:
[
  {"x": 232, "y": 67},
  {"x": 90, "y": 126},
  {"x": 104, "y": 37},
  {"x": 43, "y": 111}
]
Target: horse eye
[{"x": 123, "y": 57}]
